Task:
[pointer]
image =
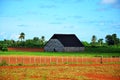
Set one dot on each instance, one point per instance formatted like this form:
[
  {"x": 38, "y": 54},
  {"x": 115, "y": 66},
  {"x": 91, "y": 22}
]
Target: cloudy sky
[{"x": 47, "y": 17}]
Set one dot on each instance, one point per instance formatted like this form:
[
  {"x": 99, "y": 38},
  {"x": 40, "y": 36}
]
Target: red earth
[
  {"x": 59, "y": 61},
  {"x": 90, "y": 75},
  {"x": 26, "y": 49}
]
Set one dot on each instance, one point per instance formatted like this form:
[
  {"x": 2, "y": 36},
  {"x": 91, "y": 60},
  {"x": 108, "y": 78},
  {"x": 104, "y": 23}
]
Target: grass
[
  {"x": 80, "y": 54},
  {"x": 89, "y": 52}
]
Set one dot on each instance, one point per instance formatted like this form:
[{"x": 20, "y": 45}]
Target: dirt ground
[
  {"x": 61, "y": 72},
  {"x": 59, "y": 68}
]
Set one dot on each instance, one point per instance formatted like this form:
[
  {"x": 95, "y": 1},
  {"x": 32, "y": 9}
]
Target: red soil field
[
  {"x": 92, "y": 72},
  {"x": 26, "y": 49}
]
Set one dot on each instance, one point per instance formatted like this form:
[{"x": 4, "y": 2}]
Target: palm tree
[
  {"x": 42, "y": 40},
  {"x": 100, "y": 41},
  {"x": 93, "y": 40},
  {"x": 22, "y": 36}
]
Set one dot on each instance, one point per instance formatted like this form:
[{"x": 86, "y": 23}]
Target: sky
[{"x": 37, "y": 18}]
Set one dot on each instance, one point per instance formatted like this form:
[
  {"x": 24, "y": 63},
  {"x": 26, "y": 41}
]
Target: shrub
[
  {"x": 3, "y": 63},
  {"x": 4, "y": 47}
]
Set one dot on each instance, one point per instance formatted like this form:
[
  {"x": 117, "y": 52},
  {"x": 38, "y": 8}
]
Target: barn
[{"x": 64, "y": 43}]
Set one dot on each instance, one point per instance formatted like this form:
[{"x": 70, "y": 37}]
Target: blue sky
[{"x": 47, "y": 17}]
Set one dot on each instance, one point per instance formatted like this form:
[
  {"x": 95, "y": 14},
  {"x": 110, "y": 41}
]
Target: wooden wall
[
  {"x": 54, "y": 45},
  {"x": 74, "y": 49}
]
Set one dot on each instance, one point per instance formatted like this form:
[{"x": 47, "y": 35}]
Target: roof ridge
[{"x": 64, "y": 34}]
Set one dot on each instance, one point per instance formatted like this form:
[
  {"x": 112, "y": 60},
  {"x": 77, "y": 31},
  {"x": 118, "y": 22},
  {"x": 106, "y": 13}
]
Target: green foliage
[
  {"x": 4, "y": 47},
  {"x": 85, "y": 43},
  {"x": 112, "y": 39},
  {"x": 3, "y": 63},
  {"x": 102, "y": 49},
  {"x": 22, "y": 36},
  {"x": 36, "y": 42},
  {"x": 100, "y": 42},
  {"x": 0, "y": 46},
  {"x": 30, "y": 43},
  {"x": 93, "y": 40}
]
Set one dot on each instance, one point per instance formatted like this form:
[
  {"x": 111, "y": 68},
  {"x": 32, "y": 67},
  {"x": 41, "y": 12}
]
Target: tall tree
[
  {"x": 94, "y": 38},
  {"x": 109, "y": 40},
  {"x": 42, "y": 41},
  {"x": 112, "y": 39},
  {"x": 43, "y": 38},
  {"x": 22, "y": 36},
  {"x": 100, "y": 41},
  {"x": 115, "y": 39},
  {"x": 36, "y": 38}
]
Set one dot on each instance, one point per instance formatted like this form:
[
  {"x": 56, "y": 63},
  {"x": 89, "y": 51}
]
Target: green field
[
  {"x": 59, "y": 54},
  {"x": 89, "y": 52}
]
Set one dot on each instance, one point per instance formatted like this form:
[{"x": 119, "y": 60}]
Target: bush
[
  {"x": 4, "y": 47},
  {"x": 3, "y": 63}
]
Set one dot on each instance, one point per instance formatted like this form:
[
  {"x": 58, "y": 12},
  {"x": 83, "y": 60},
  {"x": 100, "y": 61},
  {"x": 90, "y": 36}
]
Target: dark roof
[{"x": 68, "y": 40}]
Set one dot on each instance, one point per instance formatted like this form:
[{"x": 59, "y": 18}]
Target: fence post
[
  {"x": 84, "y": 60},
  {"x": 94, "y": 62},
  {"x": 50, "y": 59},
  {"x": 45, "y": 59},
  {"x": 9, "y": 60},
  {"x": 23, "y": 59},
  {"x": 16, "y": 59},
  {"x": 101, "y": 61},
  {"x": 77, "y": 59},
  {"x": 110, "y": 59},
  {"x": 57, "y": 60},
  {"x": 30, "y": 59},
  {"x": 72, "y": 59},
  {"x": 67, "y": 59},
  {"x": 40, "y": 59},
  {"x": 34, "y": 60},
  {"x": 81, "y": 60}
]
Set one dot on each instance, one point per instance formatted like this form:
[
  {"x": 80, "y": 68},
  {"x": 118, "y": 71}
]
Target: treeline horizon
[{"x": 36, "y": 42}]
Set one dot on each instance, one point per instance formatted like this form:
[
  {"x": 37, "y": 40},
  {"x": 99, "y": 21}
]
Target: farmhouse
[{"x": 64, "y": 43}]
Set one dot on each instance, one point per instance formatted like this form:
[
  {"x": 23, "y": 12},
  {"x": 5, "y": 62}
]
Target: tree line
[
  {"x": 110, "y": 40},
  {"x": 36, "y": 42}
]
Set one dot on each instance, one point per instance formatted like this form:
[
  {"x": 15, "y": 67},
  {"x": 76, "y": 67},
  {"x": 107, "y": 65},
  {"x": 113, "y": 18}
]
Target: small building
[{"x": 64, "y": 43}]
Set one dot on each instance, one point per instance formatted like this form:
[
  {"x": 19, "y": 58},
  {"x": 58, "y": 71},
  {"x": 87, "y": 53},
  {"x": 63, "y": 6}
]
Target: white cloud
[
  {"x": 112, "y": 4},
  {"x": 14, "y": 36},
  {"x": 3, "y": 35},
  {"x": 109, "y": 1}
]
